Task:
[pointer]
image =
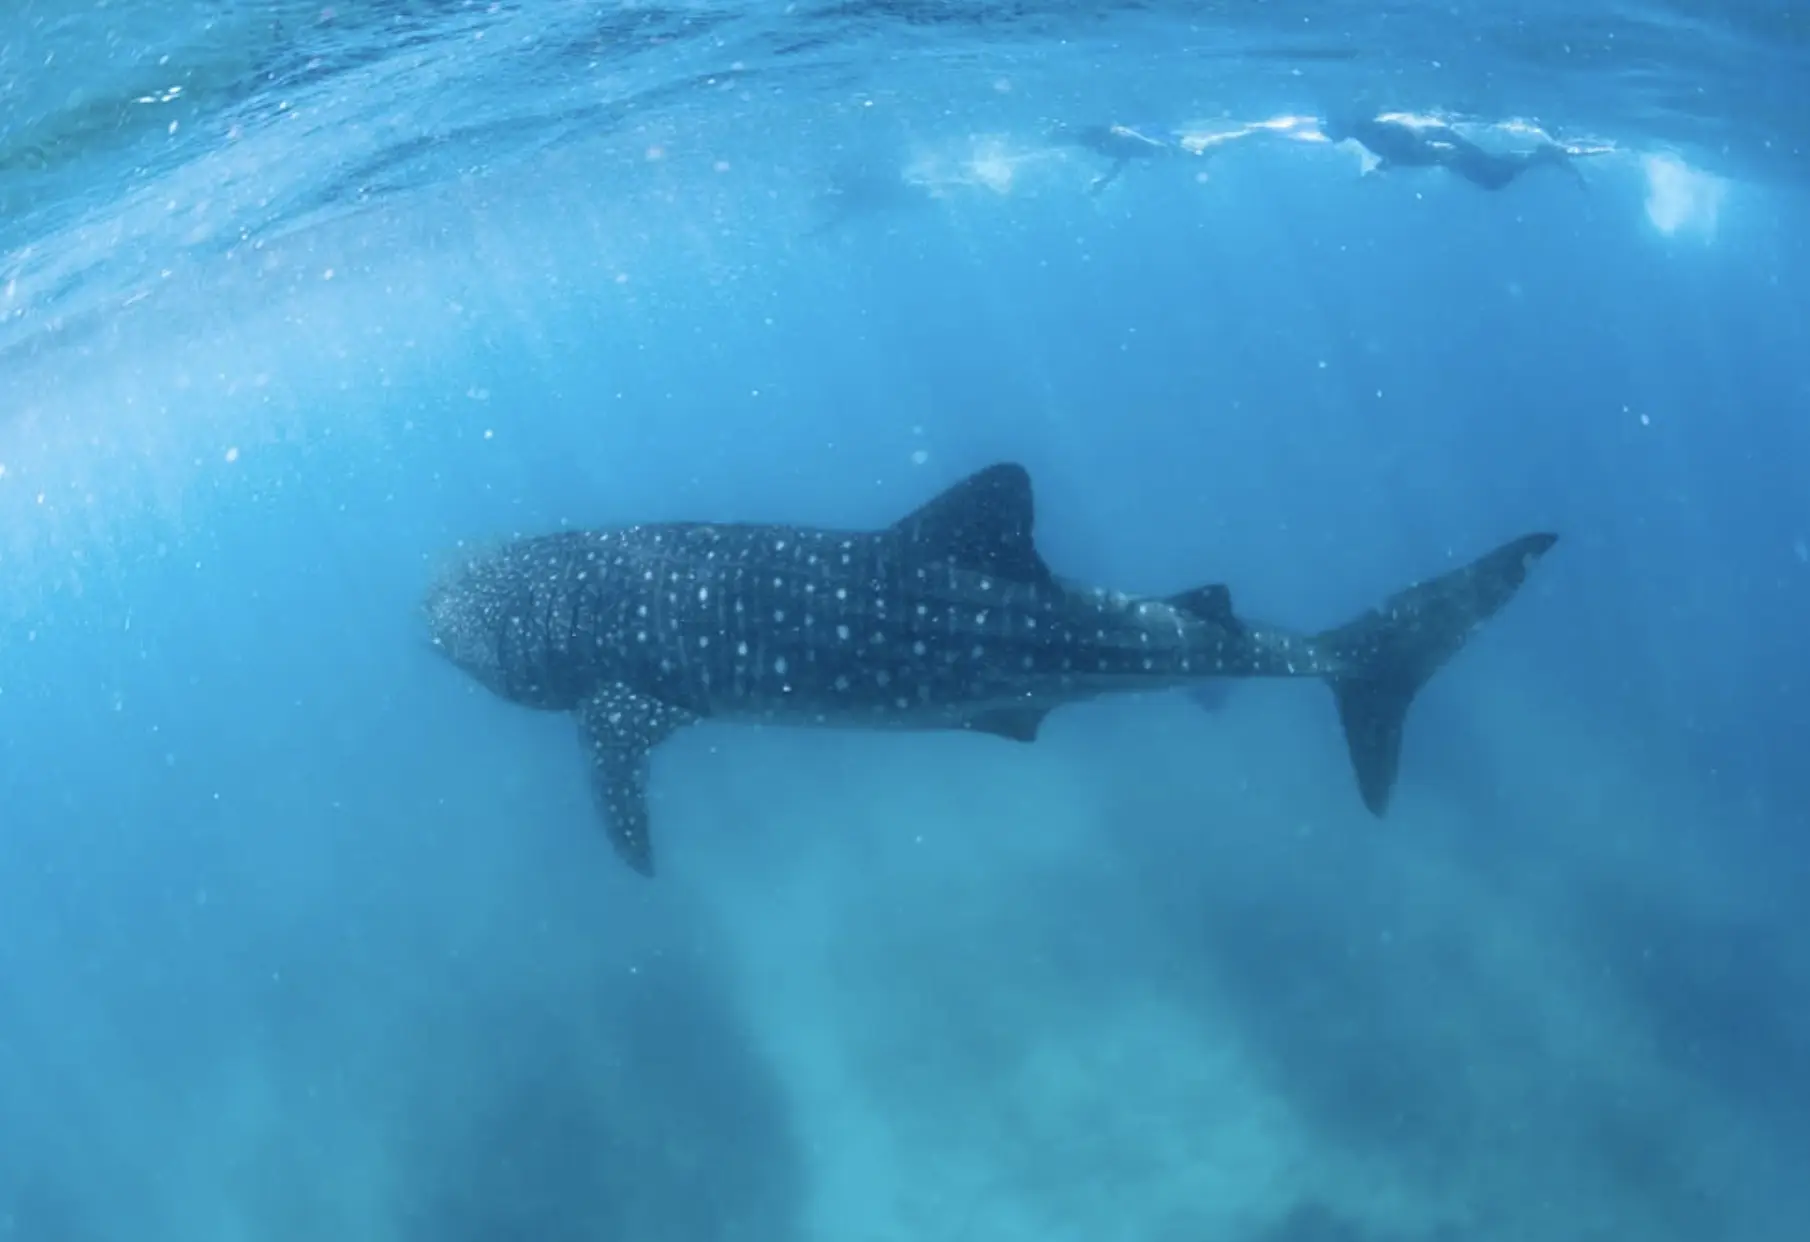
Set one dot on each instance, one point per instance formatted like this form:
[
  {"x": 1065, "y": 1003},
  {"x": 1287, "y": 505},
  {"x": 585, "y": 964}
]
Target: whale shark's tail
[{"x": 1389, "y": 653}]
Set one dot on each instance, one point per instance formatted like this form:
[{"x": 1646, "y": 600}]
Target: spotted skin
[
  {"x": 948, "y": 619},
  {"x": 620, "y": 727}
]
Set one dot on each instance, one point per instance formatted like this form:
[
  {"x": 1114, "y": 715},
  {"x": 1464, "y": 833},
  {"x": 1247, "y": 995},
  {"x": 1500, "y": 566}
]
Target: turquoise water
[{"x": 304, "y": 935}]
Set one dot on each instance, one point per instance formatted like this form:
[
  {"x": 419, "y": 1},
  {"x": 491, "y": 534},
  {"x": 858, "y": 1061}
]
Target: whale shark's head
[{"x": 463, "y": 610}]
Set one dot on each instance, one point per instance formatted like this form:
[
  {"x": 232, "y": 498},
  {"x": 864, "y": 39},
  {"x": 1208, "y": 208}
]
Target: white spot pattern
[{"x": 621, "y": 627}]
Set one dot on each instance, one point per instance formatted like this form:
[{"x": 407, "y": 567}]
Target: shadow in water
[{"x": 650, "y": 1117}]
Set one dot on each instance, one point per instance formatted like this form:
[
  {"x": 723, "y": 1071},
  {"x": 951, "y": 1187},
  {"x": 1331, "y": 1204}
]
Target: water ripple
[{"x": 325, "y": 107}]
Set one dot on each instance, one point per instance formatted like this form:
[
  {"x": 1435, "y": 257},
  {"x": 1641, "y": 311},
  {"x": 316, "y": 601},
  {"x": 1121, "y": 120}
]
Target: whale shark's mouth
[
  {"x": 444, "y": 608},
  {"x": 433, "y": 603}
]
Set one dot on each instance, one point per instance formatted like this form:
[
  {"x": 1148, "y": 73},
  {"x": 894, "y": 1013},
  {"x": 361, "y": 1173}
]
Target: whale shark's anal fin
[
  {"x": 1389, "y": 653},
  {"x": 620, "y": 726},
  {"x": 982, "y": 523}
]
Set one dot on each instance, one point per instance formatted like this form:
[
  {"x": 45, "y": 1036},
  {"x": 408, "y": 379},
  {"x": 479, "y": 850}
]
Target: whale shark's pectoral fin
[{"x": 620, "y": 727}]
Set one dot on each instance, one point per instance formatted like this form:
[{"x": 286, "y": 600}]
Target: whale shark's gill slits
[
  {"x": 729, "y": 638},
  {"x": 516, "y": 652},
  {"x": 751, "y": 645},
  {"x": 588, "y": 622},
  {"x": 499, "y": 643},
  {"x": 948, "y": 615},
  {"x": 550, "y": 576},
  {"x": 719, "y": 613},
  {"x": 652, "y": 595}
]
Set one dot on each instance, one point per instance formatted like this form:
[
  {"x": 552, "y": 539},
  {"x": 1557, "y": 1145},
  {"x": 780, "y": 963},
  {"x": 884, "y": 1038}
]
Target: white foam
[{"x": 1682, "y": 199}]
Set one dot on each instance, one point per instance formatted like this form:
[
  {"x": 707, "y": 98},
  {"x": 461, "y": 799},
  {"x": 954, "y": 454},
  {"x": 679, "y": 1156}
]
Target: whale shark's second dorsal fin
[
  {"x": 1212, "y": 604},
  {"x": 982, "y": 523}
]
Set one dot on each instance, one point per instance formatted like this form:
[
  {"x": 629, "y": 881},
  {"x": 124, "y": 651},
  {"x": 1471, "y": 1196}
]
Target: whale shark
[{"x": 947, "y": 619}]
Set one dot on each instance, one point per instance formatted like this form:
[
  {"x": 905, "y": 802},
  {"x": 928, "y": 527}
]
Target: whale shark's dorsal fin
[
  {"x": 620, "y": 727},
  {"x": 982, "y": 523}
]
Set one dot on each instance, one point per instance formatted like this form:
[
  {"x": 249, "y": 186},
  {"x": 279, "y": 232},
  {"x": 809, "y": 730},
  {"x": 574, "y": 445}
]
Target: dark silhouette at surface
[
  {"x": 1120, "y": 144},
  {"x": 1397, "y": 144},
  {"x": 863, "y": 187}
]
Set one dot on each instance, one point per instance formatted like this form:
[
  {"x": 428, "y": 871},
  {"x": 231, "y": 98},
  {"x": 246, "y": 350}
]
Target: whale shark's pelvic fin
[
  {"x": 620, "y": 726},
  {"x": 1211, "y": 695},
  {"x": 1016, "y": 724},
  {"x": 1388, "y": 654}
]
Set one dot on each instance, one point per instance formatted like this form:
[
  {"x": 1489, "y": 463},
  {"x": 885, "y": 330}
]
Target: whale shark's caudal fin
[{"x": 1389, "y": 653}]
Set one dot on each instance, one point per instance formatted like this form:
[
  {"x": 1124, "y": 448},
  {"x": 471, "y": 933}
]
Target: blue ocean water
[{"x": 303, "y": 935}]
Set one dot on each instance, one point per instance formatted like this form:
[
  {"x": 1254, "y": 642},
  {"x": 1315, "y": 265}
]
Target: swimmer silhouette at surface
[
  {"x": 1120, "y": 144},
  {"x": 865, "y": 187},
  {"x": 1400, "y": 144},
  {"x": 1124, "y": 144}
]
